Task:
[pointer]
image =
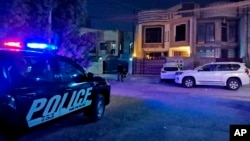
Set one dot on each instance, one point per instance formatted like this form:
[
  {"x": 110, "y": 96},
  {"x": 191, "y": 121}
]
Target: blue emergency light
[{"x": 41, "y": 46}]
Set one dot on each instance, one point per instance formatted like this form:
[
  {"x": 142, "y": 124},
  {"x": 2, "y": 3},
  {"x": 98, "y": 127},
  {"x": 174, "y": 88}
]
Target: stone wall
[{"x": 190, "y": 62}]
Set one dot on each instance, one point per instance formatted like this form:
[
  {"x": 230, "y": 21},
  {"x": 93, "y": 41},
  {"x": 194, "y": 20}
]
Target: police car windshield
[{"x": 19, "y": 64}]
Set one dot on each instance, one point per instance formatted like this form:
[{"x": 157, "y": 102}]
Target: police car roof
[{"x": 13, "y": 51}]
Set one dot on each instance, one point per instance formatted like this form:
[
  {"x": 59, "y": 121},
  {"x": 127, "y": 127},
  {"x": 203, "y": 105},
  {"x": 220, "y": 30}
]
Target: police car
[{"x": 38, "y": 86}]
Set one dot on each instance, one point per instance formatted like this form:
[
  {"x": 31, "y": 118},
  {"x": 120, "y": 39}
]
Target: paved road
[
  {"x": 142, "y": 109},
  {"x": 214, "y": 91}
]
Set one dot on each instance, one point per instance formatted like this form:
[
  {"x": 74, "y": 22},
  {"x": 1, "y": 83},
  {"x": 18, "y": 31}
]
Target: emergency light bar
[{"x": 29, "y": 45}]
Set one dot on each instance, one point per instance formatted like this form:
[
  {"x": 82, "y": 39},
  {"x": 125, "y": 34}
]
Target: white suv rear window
[{"x": 171, "y": 68}]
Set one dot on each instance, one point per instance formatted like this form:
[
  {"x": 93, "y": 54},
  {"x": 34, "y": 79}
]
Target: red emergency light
[{"x": 12, "y": 44}]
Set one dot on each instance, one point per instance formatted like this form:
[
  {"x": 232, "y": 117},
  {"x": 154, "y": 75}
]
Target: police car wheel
[{"x": 96, "y": 110}]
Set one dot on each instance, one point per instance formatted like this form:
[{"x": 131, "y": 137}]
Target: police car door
[
  {"x": 76, "y": 90},
  {"x": 36, "y": 87}
]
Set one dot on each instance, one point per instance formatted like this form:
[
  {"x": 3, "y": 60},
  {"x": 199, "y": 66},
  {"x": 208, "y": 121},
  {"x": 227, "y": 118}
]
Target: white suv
[
  {"x": 230, "y": 74},
  {"x": 168, "y": 71}
]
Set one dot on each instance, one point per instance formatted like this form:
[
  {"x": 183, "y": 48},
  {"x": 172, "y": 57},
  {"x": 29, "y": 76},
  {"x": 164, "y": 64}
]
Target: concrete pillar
[{"x": 130, "y": 66}]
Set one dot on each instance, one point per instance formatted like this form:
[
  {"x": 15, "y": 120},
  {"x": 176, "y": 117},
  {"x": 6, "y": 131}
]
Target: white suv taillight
[{"x": 247, "y": 71}]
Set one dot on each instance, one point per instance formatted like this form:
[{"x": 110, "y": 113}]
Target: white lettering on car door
[
  {"x": 37, "y": 105},
  {"x": 55, "y": 101},
  {"x": 57, "y": 106},
  {"x": 87, "y": 94},
  {"x": 80, "y": 93}
]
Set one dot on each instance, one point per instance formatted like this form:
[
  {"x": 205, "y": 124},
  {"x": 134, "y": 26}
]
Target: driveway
[{"x": 143, "y": 109}]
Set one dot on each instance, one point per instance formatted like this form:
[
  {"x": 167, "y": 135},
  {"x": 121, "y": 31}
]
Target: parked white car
[
  {"x": 168, "y": 71},
  {"x": 230, "y": 74}
]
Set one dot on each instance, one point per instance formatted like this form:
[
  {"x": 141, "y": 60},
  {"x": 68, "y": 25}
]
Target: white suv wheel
[
  {"x": 188, "y": 82},
  {"x": 233, "y": 84}
]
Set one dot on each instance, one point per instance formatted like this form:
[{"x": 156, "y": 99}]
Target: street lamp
[
  {"x": 50, "y": 25},
  {"x": 51, "y": 5}
]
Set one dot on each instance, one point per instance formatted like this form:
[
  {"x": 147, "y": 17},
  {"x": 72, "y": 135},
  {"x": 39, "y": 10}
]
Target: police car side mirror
[
  {"x": 90, "y": 76},
  {"x": 80, "y": 78}
]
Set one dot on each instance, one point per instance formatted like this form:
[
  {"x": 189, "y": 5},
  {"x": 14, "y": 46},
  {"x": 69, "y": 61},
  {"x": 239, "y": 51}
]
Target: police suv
[{"x": 38, "y": 86}]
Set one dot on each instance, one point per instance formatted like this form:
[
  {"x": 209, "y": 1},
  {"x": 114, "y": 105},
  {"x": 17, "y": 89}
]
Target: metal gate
[
  {"x": 145, "y": 66},
  {"x": 110, "y": 66}
]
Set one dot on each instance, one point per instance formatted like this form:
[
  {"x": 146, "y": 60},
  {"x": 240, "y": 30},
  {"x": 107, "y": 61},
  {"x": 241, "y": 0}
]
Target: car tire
[
  {"x": 188, "y": 82},
  {"x": 97, "y": 108},
  {"x": 233, "y": 84}
]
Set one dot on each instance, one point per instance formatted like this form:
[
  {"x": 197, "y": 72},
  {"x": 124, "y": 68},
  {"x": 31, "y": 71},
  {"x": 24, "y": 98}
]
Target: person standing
[{"x": 120, "y": 73}]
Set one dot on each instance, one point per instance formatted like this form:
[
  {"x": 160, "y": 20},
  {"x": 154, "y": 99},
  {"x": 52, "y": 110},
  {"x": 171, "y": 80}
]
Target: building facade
[
  {"x": 217, "y": 30},
  {"x": 111, "y": 48},
  {"x": 107, "y": 42}
]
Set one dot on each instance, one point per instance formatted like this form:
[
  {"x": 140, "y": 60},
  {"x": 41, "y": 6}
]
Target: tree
[
  {"x": 79, "y": 51},
  {"x": 27, "y": 19},
  {"x": 68, "y": 19},
  {"x": 40, "y": 18}
]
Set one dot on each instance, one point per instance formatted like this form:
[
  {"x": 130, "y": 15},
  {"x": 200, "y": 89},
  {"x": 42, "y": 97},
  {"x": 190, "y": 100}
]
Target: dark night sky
[{"x": 118, "y": 14}]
